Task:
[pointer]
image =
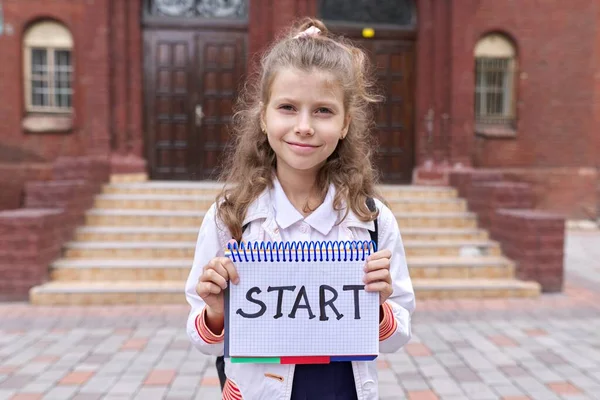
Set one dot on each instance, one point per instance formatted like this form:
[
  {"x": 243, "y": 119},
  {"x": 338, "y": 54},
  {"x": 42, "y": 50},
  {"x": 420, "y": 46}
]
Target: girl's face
[{"x": 304, "y": 120}]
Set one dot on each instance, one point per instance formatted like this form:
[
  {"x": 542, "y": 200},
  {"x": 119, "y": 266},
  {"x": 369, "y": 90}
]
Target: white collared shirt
[{"x": 293, "y": 226}]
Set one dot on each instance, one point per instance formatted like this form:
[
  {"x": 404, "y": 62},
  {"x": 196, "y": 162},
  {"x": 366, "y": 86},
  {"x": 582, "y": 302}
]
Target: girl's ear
[{"x": 347, "y": 121}]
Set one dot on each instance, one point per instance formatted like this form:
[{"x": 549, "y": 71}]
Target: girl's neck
[{"x": 299, "y": 189}]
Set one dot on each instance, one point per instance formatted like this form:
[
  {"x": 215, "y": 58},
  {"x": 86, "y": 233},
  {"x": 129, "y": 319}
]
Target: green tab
[{"x": 255, "y": 360}]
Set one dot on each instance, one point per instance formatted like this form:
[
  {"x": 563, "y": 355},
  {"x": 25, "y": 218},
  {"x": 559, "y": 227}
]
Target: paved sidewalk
[{"x": 545, "y": 349}]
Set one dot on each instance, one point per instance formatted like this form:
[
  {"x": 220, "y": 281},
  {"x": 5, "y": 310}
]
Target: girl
[{"x": 302, "y": 171}]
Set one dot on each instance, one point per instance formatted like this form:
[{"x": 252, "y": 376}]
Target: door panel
[
  {"x": 221, "y": 64},
  {"x": 168, "y": 118},
  {"x": 191, "y": 82},
  {"x": 394, "y": 60}
]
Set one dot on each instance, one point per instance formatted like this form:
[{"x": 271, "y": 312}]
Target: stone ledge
[
  {"x": 535, "y": 241},
  {"x": 43, "y": 123}
]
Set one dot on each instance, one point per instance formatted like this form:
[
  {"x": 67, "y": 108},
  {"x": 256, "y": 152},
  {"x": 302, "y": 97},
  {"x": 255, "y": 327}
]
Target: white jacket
[{"x": 255, "y": 381}]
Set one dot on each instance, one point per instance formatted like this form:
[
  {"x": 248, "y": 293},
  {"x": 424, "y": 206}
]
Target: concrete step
[
  {"x": 172, "y": 292},
  {"x": 474, "y": 288},
  {"x": 444, "y": 234},
  {"x": 175, "y": 202},
  {"x": 491, "y": 267},
  {"x": 213, "y": 188},
  {"x": 180, "y": 202},
  {"x": 464, "y": 248},
  {"x": 130, "y": 250},
  {"x": 108, "y": 293},
  {"x": 120, "y": 270},
  {"x": 167, "y": 218},
  {"x": 135, "y": 234},
  {"x": 152, "y": 234},
  {"x": 457, "y": 220},
  {"x": 169, "y": 250},
  {"x": 117, "y": 269}
]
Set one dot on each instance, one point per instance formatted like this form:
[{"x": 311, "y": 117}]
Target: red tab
[{"x": 305, "y": 360}]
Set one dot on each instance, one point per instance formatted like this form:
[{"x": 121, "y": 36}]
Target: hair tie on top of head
[{"x": 310, "y": 31}]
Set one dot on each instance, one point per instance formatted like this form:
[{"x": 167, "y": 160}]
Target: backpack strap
[
  {"x": 374, "y": 233},
  {"x": 245, "y": 227}
]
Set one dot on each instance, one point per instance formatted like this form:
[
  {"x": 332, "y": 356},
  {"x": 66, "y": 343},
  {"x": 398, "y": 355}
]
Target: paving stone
[
  {"x": 151, "y": 393},
  {"x": 445, "y": 386},
  {"x": 99, "y": 384},
  {"x": 414, "y": 384},
  {"x": 38, "y": 386},
  {"x": 61, "y": 393},
  {"x": 208, "y": 393},
  {"x": 6, "y": 394},
  {"x": 464, "y": 374},
  {"x": 16, "y": 381},
  {"x": 478, "y": 391},
  {"x": 507, "y": 390},
  {"x": 87, "y": 396}
]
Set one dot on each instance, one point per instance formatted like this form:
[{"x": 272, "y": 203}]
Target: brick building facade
[{"x": 128, "y": 58}]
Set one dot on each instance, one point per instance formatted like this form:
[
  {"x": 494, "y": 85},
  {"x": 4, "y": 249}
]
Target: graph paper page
[{"x": 267, "y": 336}]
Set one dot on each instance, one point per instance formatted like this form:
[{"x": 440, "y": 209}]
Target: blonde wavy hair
[{"x": 249, "y": 169}]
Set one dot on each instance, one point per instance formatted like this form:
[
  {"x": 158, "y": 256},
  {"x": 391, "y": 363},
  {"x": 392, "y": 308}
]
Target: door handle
[{"x": 199, "y": 115}]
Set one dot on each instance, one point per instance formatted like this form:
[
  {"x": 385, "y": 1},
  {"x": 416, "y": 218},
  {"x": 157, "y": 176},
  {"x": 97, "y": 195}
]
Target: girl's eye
[
  {"x": 286, "y": 107},
  {"x": 323, "y": 110}
]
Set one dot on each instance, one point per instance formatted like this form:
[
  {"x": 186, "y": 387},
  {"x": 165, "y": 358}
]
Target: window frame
[
  {"x": 51, "y": 50},
  {"x": 504, "y": 51},
  {"x": 483, "y": 87}
]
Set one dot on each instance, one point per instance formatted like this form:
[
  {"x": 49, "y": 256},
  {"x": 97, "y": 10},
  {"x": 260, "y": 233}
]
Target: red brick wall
[
  {"x": 31, "y": 240},
  {"x": 567, "y": 191},
  {"x": 31, "y": 237},
  {"x": 88, "y": 24},
  {"x": 556, "y": 47},
  {"x": 13, "y": 178},
  {"x": 535, "y": 241}
]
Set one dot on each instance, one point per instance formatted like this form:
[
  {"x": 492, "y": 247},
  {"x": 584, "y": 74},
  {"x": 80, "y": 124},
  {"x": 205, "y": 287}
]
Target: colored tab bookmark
[
  {"x": 352, "y": 358},
  {"x": 255, "y": 360},
  {"x": 305, "y": 360}
]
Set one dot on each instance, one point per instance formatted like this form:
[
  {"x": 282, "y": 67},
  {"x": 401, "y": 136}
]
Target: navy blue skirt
[{"x": 334, "y": 381}]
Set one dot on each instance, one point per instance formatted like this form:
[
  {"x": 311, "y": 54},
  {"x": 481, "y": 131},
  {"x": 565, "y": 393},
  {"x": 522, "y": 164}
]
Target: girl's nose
[{"x": 303, "y": 126}]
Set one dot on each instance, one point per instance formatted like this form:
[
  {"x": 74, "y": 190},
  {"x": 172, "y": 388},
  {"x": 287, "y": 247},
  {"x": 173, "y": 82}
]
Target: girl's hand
[
  {"x": 213, "y": 281},
  {"x": 377, "y": 274}
]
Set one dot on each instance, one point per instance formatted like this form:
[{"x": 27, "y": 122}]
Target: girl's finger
[
  {"x": 215, "y": 265},
  {"x": 379, "y": 275},
  {"x": 214, "y": 277},
  {"x": 231, "y": 271},
  {"x": 207, "y": 288},
  {"x": 385, "y": 253},
  {"x": 382, "y": 263},
  {"x": 378, "y": 287}
]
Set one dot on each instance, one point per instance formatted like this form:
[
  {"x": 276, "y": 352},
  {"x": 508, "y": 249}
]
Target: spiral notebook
[{"x": 300, "y": 302}]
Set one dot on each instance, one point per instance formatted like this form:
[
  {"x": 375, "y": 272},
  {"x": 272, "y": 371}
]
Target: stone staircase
[{"x": 138, "y": 243}]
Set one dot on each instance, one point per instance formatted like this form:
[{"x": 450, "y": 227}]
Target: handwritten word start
[{"x": 327, "y": 297}]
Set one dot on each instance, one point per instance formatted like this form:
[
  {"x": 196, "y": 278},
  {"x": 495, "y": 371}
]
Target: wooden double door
[
  {"x": 191, "y": 85},
  {"x": 192, "y": 80}
]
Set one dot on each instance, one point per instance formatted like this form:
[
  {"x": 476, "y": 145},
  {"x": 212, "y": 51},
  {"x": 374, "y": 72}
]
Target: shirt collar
[
  {"x": 285, "y": 213},
  {"x": 322, "y": 219}
]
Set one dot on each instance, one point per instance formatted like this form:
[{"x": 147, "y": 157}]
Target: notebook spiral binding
[{"x": 302, "y": 251}]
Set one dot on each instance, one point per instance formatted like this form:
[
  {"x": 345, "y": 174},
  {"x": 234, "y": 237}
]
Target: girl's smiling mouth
[{"x": 302, "y": 148}]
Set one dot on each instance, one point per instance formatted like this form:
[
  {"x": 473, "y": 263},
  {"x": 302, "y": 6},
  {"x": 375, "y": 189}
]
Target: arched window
[
  {"x": 47, "y": 49},
  {"x": 495, "y": 66}
]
